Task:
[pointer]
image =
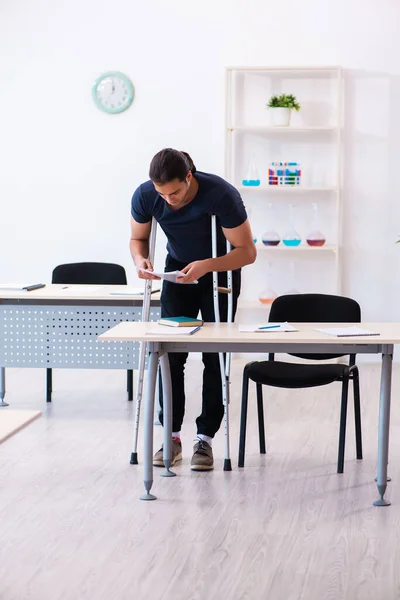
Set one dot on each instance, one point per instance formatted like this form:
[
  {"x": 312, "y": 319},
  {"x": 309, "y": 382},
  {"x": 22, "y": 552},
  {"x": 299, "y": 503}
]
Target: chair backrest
[
  {"x": 94, "y": 273},
  {"x": 315, "y": 308}
]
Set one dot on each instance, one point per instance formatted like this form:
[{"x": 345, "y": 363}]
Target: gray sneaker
[
  {"x": 158, "y": 460},
  {"x": 202, "y": 459}
]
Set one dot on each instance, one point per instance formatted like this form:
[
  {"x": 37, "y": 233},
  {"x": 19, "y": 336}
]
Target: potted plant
[{"x": 282, "y": 107}]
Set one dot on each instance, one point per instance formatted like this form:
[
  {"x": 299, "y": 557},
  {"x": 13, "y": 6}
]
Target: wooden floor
[
  {"x": 286, "y": 527},
  {"x": 12, "y": 421}
]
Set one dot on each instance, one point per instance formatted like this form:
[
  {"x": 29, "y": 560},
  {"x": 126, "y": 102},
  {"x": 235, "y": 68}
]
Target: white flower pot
[{"x": 280, "y": 116}]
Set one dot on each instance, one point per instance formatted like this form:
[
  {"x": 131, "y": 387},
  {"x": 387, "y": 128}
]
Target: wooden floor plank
[{"x": 286, "y": 527}]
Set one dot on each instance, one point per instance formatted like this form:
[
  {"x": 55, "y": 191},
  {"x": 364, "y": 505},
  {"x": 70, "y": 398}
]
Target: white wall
[{"x": 67, "y": 171}]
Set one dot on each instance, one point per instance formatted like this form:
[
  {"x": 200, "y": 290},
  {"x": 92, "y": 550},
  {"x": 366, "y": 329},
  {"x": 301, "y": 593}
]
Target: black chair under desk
[
  {"x": 306, "y": 308},
  {"x": 89, "y": 273}
]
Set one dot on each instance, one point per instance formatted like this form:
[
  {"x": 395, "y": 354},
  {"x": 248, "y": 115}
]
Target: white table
[
  {"x": 225, "y": 337},
  {"x": 57, "y": 327}
]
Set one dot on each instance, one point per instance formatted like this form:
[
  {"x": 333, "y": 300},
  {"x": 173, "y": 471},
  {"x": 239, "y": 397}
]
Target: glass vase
[
  {"x": 250, "y": 219},
  {"x": 252, "y": 178},
  {"x": 315, "y": 237},
  {"x": 292, "y": 286},
  {"x": 270, "y": 237},
  {"x": 268, "y": 294},
  {"x": 291, "y": 237}
]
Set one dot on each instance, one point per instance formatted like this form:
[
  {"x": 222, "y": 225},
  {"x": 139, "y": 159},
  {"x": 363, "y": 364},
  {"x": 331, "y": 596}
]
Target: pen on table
[
  {"x": 269, "y": 327},
  {"x": 194, "y": 330},
  {"x": 65, "y": 287},
  {"x": 37, "y": 286}
]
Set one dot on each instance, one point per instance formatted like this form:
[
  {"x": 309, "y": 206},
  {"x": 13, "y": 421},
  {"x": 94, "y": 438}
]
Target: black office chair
[
  {"x": 89, "y": 273},
  {"x": 303, "y": 308}
]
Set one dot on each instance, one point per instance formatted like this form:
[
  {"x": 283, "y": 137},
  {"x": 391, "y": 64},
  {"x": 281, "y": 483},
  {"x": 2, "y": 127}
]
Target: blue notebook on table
[{"x": 180, "y": 322}]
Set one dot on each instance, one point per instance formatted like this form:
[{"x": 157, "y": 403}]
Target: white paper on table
[
  {"x": 132, "y": 291},
  {"x": 157, "y": 329},
  {"x": 271, "y": 328},
  {"x": 80, "y": 289},
  {"x": 15, "y": 287},
  {"x": 347, "y": 331},
  {"x": 170, "y": 276}
]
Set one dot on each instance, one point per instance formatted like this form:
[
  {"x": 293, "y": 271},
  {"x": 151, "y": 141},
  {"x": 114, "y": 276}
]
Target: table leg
[
  {"x": 148, "y": 424},
  {"x": 167, "y": 412},
  {"x": 158, "y": 403},
  {"x": 383, "y": 428},
  {"x": 2, "y": 386}
]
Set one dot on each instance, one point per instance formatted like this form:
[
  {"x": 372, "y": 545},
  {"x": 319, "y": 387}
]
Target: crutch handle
[{"x": 224, "y": 290}]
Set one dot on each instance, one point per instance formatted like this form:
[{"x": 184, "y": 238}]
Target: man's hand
[
  {"x": 194, "y": 271},
  {"x": 144, "y": 263}
]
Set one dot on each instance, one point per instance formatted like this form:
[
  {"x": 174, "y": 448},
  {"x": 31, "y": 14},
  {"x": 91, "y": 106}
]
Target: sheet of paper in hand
[{"x": 170, "y": 276}]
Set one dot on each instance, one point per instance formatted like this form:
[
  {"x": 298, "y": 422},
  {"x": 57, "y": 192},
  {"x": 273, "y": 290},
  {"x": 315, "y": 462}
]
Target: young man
[{"x": 182, "y": 201}]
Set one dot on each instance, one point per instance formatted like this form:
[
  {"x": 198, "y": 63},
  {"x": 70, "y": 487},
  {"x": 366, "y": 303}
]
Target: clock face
[{"x": 113, "y": 92}]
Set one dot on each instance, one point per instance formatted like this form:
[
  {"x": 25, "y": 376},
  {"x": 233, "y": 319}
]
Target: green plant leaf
[{"x": 284, "y": 101}]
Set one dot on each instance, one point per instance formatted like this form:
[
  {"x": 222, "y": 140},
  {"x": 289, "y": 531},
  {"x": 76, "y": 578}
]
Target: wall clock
[{"x": 112, "y": 92}]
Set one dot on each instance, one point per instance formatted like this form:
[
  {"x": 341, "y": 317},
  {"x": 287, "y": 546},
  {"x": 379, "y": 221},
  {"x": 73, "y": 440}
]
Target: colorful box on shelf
[{"x": 284, "y": 173}]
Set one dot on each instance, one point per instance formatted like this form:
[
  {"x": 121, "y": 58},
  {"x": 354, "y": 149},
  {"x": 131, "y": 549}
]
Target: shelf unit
[
  {"x": 279, "y": 130},
  {"x": 314, "y": 140},
  {"x": 301, "y": 248},
  {"x": 280, "y": 189}
]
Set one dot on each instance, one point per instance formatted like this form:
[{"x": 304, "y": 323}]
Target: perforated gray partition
[{"x": 66, "y": 336}]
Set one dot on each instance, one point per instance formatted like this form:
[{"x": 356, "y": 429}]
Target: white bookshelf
[{"x": 314, "y": 140}]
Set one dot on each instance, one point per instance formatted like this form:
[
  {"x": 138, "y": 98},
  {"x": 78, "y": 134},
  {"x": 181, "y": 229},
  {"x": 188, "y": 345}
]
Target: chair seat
[{"x": 293, "y": 375}]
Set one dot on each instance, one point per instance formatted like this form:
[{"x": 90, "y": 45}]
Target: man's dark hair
[{"x": 170, "y": 164}]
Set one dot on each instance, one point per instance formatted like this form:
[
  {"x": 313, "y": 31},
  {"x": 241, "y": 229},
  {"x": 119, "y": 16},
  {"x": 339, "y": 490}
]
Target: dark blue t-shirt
[{"x": 188, "y": 229}]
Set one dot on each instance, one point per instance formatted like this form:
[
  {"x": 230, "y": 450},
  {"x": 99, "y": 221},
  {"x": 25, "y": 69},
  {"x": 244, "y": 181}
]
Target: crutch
[
  {"x": 225, "y": 366},
  {"x": 142, "y": 350}
]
